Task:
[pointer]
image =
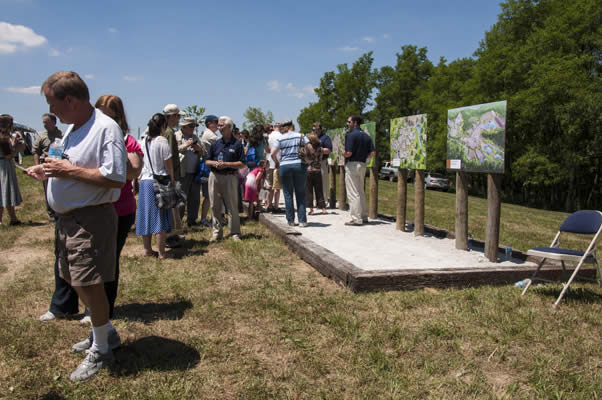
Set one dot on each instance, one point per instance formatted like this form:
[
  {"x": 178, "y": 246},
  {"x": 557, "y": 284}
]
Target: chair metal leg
[
  {"x": 533, "y": 277},
  {"x": 566, "y": 286}
]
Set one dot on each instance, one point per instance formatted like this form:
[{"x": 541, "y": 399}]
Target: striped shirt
[{"x": 288, "y": 144}]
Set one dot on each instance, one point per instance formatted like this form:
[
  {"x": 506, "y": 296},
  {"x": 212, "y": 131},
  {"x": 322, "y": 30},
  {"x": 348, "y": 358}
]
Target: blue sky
[{"x": 222, "y": 55}]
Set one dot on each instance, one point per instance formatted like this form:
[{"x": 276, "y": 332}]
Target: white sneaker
[
  {"x": 47, "y": 316},
  {"x": 236, "y": 238},
  {"x": 86, "y": 320},
  {"x": 94, "y": 362}
]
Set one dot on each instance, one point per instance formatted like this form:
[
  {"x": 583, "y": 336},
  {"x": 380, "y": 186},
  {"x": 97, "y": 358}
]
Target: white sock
[{"x": 101, "y": 337}]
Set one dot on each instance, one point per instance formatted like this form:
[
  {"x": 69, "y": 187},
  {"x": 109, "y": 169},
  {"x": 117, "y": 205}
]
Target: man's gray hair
[{"x": 227, "y": 121}]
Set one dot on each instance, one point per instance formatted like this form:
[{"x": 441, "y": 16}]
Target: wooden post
[
  {"x": 332, "y": 187},
  {"x": 461, "y": 211},
  {"x": 494, "y": 201},
  {"x": 419, "y": 203},
  {"x": 402, "y": 199},
  {"x": 342, "y": 189},
  {"x": 373, "y": 210}
]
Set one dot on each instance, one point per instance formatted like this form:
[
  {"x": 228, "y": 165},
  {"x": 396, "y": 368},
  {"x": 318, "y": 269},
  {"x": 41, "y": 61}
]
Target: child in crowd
[{"x": 253, "y": 183}]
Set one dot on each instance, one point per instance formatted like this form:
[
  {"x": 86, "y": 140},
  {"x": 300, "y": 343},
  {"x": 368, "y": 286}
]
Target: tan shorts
[
  {"x": 277, "y": 185},
  {"x": 86, "y": 245}
]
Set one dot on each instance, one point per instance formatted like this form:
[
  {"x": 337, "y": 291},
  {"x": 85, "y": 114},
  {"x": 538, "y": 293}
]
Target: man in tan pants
[
  {"x": 358, "y": 148},
  {"x": 225, "y": 157}
]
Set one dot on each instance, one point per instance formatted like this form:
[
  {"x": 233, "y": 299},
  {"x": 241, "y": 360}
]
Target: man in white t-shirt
[
  {"x": 272, "y": 179},
  {"x": 81, "y": 189}
]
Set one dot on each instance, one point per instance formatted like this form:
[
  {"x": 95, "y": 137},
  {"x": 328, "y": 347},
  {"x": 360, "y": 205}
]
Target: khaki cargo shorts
[
  {"x": 277, "y": 185},
  {"x": 86, "y": 245}
]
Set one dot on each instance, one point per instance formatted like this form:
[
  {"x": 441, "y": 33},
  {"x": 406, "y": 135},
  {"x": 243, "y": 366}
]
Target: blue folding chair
[{"x": 585, "y": 222}]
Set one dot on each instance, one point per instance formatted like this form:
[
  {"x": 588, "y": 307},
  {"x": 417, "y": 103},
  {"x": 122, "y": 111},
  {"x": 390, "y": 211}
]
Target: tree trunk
[
  {"x": 402, "y": 198},
  {"x": 492, "y": 233},
  {"x": 373, "y": 210},
  {"x": 342, "y": 189},
  {"x": 461, "y": 211}
]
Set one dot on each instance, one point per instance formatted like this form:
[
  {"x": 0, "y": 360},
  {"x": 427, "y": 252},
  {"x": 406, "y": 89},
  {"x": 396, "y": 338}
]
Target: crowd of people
[{"x": 90, "y": 174}]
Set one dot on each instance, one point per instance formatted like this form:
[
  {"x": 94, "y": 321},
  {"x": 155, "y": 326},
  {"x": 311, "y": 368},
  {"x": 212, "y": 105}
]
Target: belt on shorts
[
  {"x": 84, "y": 209},
  {"x": 224, "y": 172}
]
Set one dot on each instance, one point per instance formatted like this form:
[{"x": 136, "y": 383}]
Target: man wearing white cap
[{"x": 173, "y": 113}]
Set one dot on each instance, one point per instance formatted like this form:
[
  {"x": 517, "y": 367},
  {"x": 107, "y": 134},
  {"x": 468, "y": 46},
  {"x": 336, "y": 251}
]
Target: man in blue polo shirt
[
  {"x": 226, "y": 155},
  {"x": 358, "y": 148}
]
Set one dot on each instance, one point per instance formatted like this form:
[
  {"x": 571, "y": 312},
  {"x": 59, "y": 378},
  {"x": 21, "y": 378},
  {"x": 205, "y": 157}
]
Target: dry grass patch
[{"x": 18, "y": 260}]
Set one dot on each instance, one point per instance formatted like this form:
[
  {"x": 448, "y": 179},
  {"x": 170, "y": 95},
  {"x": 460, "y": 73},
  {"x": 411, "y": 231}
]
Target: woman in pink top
[
  {"x": 253, "y": 183},
  {"x": 125, "y": 207}
]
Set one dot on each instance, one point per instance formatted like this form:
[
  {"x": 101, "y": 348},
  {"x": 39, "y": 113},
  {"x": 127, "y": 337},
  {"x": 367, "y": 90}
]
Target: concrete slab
[
  {"x": 378, "y": 246},
  {"x": 376, "y": 256}
]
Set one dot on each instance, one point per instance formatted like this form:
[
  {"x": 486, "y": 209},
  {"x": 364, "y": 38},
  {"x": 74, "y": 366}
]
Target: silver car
[{"x": 436, "y": 181}]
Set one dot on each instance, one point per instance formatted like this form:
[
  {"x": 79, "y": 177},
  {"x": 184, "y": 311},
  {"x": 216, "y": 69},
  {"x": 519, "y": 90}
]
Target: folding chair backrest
[{"x": 582, "y": 222}]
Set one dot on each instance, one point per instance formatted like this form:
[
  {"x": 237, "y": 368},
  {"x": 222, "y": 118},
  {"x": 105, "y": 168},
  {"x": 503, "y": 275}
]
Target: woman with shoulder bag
[{"x": 157, "y": 168}]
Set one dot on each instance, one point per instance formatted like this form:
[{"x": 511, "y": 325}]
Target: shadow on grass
[
  {"x": 248, "y": 236},
  {"x": 577, "y": 295},
  {"x": 52, "y": 396},
  {"x": 154, "y": 353},
  {"x": 150, "y": 312},
  {"x": 189, "y": 247}
]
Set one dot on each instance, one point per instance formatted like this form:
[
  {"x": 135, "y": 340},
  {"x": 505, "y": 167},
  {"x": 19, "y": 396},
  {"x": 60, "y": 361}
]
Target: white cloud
[
  {"x": 113, "y": 30},
  {"x": 291, "y": 89},
  {"x": 24, "y": 90},
  {"x": 274, "y": 86},
  {"x": 89, "y": 76},
  {"x": 54, "y": 52},
  {"x": 12, "y": 37},
  {"x": 132, "y": 78},
  {"x": 369, "y": 39},
  {"x": 349, "y": 49},
  {"x": 299, "y": 93},
  {"x": 386, "y": 36}
]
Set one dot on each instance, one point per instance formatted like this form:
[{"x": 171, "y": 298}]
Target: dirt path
[{"x": 17, "y": 259}]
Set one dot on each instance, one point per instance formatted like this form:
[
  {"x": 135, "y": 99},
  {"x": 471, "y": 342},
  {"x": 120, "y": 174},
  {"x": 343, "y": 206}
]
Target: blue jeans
[{"x": 293, "y": 177}]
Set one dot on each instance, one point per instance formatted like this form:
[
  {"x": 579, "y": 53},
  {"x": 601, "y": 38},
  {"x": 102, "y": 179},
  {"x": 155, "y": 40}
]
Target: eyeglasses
[{"x": 316, "y": 129}]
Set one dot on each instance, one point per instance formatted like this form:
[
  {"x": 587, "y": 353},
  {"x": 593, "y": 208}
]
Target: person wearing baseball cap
[
  {"x": 190, "y": 151},
  {"x": 173, "y": 113}
]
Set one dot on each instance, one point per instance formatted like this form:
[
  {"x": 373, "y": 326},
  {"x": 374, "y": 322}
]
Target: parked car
[
  {"x": 388, "y": 172},
  {"x": 436, "y": 181}
]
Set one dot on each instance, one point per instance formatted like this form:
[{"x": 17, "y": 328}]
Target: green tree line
[{"x": 543, "y": 56}]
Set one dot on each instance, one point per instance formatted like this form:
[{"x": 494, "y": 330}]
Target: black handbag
[{"x": 165, "y": 193}]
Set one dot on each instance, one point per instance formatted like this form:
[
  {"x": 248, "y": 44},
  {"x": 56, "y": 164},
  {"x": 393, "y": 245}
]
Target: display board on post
[
  {"x": 408, "y": 151},
  {"x": 476, "y": 143}
]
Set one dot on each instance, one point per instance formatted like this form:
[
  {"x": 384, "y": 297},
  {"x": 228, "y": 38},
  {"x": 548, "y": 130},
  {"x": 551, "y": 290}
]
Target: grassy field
[{"x": 251, "y": 320}]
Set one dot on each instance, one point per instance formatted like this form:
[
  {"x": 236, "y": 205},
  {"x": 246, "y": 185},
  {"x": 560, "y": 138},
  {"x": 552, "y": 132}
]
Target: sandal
[{"x": 154, "y": 254}]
